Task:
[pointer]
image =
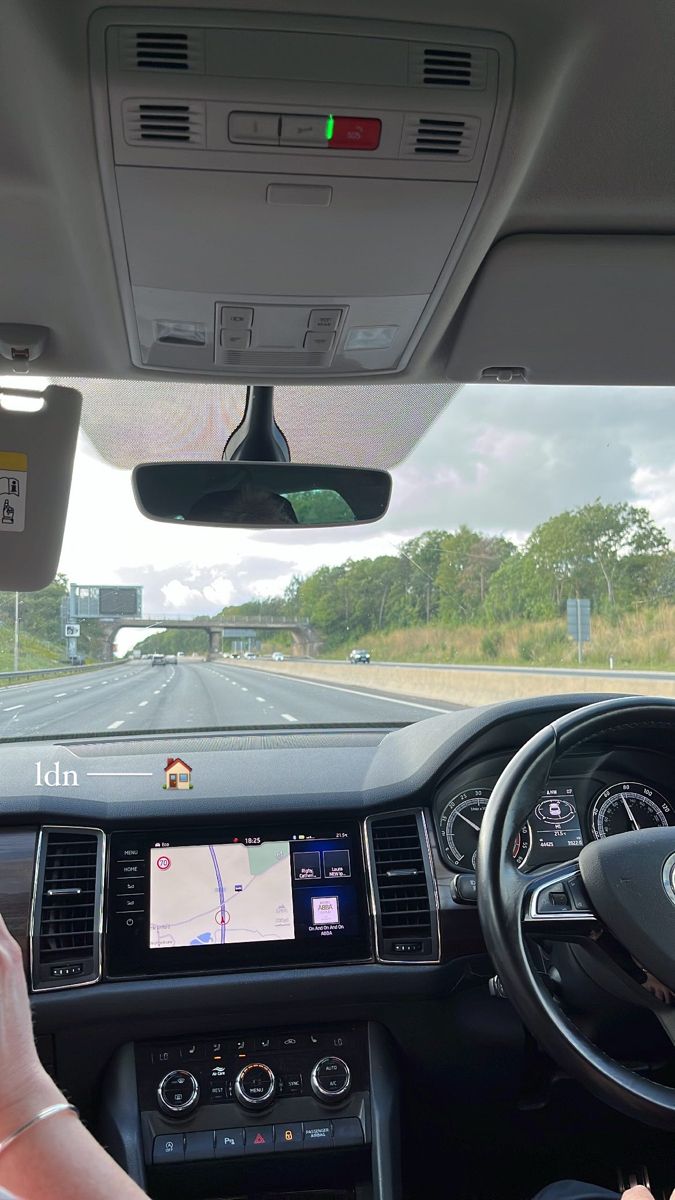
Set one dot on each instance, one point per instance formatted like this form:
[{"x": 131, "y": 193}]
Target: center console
[
  {"x": 274, "y": 1112},
  {"x": 257, "y": 1094}
]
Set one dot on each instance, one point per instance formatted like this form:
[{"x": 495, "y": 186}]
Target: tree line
[{"x": 613, "y": 554}]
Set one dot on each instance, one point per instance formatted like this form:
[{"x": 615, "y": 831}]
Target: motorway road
[{"x": 137, "y": 696}]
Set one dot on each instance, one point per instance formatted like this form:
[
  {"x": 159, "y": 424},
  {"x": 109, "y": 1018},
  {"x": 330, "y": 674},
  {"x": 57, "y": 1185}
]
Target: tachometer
[
  {"x": 460, "y": 824},
  {"x": 623, "y": 807}
]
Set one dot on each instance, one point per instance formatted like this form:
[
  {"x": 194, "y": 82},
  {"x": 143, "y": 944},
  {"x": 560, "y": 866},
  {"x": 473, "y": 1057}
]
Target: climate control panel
[{"x": 256, "y": 1093}]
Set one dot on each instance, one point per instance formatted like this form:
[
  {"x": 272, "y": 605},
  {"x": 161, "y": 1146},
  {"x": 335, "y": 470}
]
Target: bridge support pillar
[{"x": 215, "y": 644}]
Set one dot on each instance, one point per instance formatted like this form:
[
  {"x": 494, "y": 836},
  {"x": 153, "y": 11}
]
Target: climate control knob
[
  {"x": 255, "y": 1085},
  {"x": 331, "y": 1079},
  {"x": 178, "y": 1094}
]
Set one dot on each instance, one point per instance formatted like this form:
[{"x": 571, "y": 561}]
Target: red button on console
[{"x": 355, "y": 133}]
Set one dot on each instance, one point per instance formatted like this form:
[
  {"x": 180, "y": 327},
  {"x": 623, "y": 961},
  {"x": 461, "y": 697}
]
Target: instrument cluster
[{"x": 572, "y": 811}]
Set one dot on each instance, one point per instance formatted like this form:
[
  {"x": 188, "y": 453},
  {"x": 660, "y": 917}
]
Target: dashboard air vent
[
  {"x": 162, "y": 50},
  {"x": 404, "y": 895},
  {"x": 447, "y": 66},
  {"x": 66, "y": 927},
  {"x": 452, "y": 138},
  {"x": 171, "y": 123}
]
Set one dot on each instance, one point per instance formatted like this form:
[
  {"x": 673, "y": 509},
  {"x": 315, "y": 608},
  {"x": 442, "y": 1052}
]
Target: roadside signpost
[
  {"x": 100, "y": 602},
  {"x": 579, "y": 623}
]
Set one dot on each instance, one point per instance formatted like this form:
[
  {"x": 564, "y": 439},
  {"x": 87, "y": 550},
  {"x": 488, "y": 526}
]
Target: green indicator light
[{"x": 330, "y": 126}]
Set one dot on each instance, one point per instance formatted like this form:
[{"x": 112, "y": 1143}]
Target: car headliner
[{"x": 588, "y": 149}]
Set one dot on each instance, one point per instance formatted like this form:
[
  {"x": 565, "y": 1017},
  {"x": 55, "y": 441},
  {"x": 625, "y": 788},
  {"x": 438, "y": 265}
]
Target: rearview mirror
[{"x": 256, "y": 495}]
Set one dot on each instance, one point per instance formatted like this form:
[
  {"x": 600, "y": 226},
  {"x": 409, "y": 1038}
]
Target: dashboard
[{"x": 256, "y": 944}]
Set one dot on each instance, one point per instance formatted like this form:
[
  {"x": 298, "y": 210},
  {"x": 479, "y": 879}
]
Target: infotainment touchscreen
[{"x": 228, "y": 898}]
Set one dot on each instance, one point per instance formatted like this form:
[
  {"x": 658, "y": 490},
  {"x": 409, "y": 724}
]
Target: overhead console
[{"x": 289, "y": 196}]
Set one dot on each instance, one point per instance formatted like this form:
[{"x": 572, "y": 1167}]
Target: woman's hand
[{"x": 25, "y": 1087}]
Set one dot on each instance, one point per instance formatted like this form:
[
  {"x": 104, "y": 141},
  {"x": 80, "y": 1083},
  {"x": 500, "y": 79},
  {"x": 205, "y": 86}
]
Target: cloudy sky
[{"x": 500, "y": 459}]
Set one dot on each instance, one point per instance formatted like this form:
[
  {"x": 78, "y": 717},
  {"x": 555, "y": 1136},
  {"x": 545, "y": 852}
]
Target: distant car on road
[
  {"x": 277, "y": 656},
  {"x": 158, "y": 660},
  {"x": 250, "y": 654},
  {"x": 171, "y": 658},
  {"x": 359, "y": 656}
]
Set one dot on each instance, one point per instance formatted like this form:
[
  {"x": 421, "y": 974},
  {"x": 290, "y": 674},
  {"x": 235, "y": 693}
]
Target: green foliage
[
  {"x": 613, "y": 554},
  {"x": 321, "y": 506},
  {"x": 468, "y": 562},
  {"x": 189, "y": 641},
  {"x": 491, "y": 644}
]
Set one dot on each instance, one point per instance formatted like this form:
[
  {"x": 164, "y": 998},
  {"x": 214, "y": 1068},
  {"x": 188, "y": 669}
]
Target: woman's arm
[{"x": 57, "y": 1159}]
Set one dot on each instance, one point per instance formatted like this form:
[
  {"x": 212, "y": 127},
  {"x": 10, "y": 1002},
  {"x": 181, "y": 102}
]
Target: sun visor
[
  {"x": 570, "y": 309},
  {"x": 37, "y": 449}
]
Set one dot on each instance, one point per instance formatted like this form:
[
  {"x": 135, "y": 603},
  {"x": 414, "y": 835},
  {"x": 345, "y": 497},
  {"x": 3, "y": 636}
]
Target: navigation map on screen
[{"x": 216, "y": 895}]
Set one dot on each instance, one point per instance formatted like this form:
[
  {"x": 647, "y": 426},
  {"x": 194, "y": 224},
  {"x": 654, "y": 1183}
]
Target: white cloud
[
  {"x": 179, "y": 595},
  {"x": 220, "y": 591}
]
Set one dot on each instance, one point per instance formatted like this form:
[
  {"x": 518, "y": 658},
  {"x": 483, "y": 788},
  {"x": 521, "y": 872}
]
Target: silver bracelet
[{"x": 41, "y": 1116}]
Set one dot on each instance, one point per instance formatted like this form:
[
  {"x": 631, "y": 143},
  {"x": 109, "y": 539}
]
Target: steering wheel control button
[
  {"x": 578, "y": 893},
  {"x": 178, "y": 1093},
  {"x": 199, "y": 1146},
  {"x": 347, "y": 1131},
  {"x": 168, "y": 1148},
  {"x": 318, "y": 1135},
  {"x": 553, "y": 900},
  {"x": 229, "y": 1143},
  {"x": 331, "y": 1078},
  {"x": 260, "y": 1139},
  {"x": 255, "y": 1085},
  {"x": 288, "y": 1137}
]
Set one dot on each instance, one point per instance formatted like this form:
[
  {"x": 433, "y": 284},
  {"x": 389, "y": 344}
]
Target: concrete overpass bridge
[{"x": 305, "y": 639}]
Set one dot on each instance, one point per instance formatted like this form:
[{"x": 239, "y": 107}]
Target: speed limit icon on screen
[{"x": 163, "y": 862}]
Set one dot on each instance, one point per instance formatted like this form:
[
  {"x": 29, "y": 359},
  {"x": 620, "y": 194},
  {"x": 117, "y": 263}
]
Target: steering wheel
[{"x": 624, "y": 885}]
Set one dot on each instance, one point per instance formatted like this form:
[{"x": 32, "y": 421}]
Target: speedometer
[
  {"x": 623, "y": 807},
  {"x": 460, "y": 824}
]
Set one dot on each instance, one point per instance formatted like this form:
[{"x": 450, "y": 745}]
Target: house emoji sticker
[{"x": 177, "y": 774}]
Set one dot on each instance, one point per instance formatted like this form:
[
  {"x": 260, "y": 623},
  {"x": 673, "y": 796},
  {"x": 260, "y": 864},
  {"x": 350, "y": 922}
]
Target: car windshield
[{"x": 527, "y": 550}]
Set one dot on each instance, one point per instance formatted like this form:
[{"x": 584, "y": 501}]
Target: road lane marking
[
  {"x": 156, "y": 692},
  {"x": 58, "y": 695},
  {"x": 143, "y": 703},
  {"x": 130, "y": 712},
  {"x": 289, "y": 717},
  {"x": 333, "y": 687},
  {"x": 260, "y": 699},
  {"x": 87, "y": 687},
  {"x": 13, "y": 707},
  {"x": 244, "y": 689},
  {"x": 116, "y": 724}
]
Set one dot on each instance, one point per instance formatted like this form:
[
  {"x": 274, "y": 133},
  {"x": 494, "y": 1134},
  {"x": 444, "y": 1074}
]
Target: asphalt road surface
[{"x": 137, "y": 696}]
